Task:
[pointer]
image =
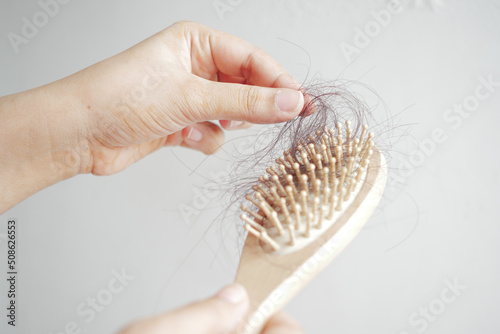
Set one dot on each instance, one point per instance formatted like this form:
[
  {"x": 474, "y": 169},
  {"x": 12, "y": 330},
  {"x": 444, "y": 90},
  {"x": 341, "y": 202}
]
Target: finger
[
  {"x": 210, "y": 100},
  {"x": 283, "y": 81},
  {"x": 234, "y": 125},
  {"x": 214, "y": 51},
  {"x": 218, "y": 315},
  {"x": 282, "y": 323},
  {"x": 205, "y": 137},
  {"x": 236, "y": 57},
  {"x": 222, "y": 77}
]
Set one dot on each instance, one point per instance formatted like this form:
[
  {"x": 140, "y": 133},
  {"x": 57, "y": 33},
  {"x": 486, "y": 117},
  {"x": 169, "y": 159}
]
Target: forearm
[{"x": 42, "y": 137}]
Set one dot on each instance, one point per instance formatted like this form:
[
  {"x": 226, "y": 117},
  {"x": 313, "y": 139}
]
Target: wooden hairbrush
[{"x": 303, "y": 213}]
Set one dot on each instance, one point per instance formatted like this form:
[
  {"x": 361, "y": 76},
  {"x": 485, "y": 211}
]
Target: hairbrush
[{"x": 304, "y": 212}]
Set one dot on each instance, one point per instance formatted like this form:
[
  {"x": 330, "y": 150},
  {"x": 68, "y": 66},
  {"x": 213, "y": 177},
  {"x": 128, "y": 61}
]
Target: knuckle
[
  {"x": 249, "y": 97},
  {"x": 184, "y": 24}
]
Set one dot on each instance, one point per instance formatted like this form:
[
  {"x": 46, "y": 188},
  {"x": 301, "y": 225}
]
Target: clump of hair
[{"x": 327, "y": 104}]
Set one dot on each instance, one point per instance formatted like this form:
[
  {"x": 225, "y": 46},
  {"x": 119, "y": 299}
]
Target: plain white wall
[{"x": 438, "y": 223}]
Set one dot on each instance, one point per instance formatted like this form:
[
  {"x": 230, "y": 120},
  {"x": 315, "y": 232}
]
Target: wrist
[{"x": 43, "y": 140}]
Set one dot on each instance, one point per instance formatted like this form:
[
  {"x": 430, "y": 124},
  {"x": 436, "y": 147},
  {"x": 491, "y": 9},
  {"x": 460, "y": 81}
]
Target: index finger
[{"x": 233, "y": 57}]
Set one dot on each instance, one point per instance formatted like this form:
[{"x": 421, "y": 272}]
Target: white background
[{"x": 438, "y": 222}]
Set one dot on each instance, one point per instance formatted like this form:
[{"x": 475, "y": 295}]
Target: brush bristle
[{"x": 309, "y": 183}]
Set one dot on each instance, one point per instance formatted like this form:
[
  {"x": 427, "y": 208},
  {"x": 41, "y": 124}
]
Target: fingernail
[
  {"x": 288, "y": 100},
  {"x": 234, "y": 293},
  {"x": 194, "y": 134},
  {"x": 235, "y": 124}
]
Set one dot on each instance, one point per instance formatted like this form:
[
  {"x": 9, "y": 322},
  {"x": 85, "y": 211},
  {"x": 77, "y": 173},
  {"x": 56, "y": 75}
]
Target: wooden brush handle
[{"x": 272, "y": 280}]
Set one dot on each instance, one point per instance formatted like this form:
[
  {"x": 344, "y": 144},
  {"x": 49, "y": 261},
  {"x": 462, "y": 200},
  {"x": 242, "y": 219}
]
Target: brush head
[
  {"x": 304, "y": 212},
  {"x": 308, "y": 189}
]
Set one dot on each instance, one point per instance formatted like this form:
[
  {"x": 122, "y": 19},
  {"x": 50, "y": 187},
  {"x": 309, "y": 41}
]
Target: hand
[
  {"x": 221, "y": 314},
  {"x": 165, "y": 90},
  {"x": 160, "y": 92}
]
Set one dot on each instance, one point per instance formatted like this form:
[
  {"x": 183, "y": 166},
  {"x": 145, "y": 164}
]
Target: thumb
[
  {"x": 254, "y": 104},
  {"x": 220, "y": 314}
]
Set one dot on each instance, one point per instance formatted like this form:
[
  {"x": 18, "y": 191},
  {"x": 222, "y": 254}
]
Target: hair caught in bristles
[{"x": 312, "y": 165}]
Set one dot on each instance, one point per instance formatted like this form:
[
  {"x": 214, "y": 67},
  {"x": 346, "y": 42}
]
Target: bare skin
[
  {"x": 161, "y": 92},
  {"x": 221, "y": 314}
]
